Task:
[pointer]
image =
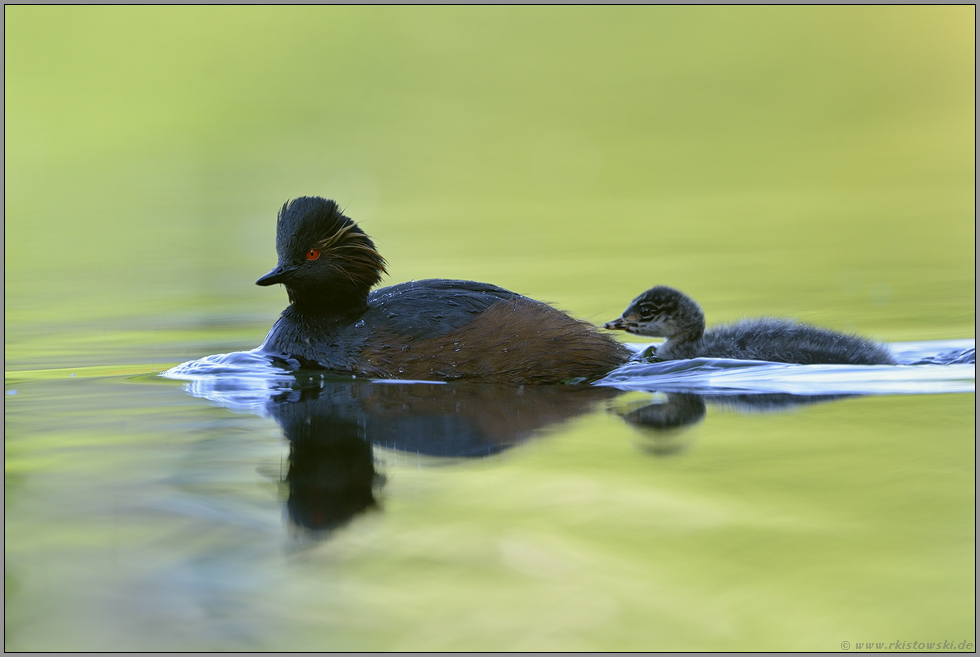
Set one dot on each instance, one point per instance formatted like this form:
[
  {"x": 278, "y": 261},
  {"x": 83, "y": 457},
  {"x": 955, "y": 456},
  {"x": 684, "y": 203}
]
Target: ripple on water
[{"x": 243, "y": 380}]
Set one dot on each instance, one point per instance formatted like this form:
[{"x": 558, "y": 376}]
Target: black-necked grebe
[
  {"x": 434, "y": 329},
  {"x": 663, "y": 312}
]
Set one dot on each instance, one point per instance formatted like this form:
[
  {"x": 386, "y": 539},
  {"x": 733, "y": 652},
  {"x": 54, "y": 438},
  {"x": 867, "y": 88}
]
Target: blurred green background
[
  {"x": 816, "y": 162},
  {"x": 813, "y": 162}
]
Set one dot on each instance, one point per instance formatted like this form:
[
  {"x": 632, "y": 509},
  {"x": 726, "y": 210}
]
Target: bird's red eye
[{"x": 313, "y": 254}]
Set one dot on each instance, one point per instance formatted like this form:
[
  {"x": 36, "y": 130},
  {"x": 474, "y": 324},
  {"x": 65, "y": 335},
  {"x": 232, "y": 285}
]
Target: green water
[{"x": 808, "y": 162}]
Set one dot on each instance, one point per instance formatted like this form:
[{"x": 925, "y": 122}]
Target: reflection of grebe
[
  {"x": 433, "y": 329},
  {"x": 332, "y": 426},
  {"x": 663, "y": 312}
]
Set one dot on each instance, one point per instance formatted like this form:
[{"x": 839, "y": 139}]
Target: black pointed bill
[{"x": 277, "y": 275}]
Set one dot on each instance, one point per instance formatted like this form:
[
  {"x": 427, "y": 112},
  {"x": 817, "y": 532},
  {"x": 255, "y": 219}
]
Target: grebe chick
[
  {"x": 438, "y": 329},
  {"x": 663, "y": 312}
]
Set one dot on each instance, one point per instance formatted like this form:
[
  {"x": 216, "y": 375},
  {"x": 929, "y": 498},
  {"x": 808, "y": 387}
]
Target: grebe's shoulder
[
  {"x": 432, "y": 307},
  {"x": 442, "y": 287}
]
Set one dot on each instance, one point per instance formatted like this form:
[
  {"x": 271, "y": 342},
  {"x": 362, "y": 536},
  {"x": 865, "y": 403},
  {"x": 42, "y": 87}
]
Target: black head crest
[{"x": 311, "y": 222}]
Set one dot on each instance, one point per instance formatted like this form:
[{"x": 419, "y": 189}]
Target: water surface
[{"x": 269, "y": 508}]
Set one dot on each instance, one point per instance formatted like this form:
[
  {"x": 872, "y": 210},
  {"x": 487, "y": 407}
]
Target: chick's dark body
[
  {"x": 668, "y": 313},
  {"x": 780, "y": 341},
  {"x": 435, "y": 329}
]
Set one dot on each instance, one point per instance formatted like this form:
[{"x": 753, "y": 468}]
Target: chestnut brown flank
[{"x": 532, "y": 343}]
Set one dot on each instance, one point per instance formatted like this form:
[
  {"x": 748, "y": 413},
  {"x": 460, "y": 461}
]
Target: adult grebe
[{"x": 433, "y": 329}]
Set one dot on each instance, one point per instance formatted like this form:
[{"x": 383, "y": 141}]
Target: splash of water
[{"x": 243, "y": 381}]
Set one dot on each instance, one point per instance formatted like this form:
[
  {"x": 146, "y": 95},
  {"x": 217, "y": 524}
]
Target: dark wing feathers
[{"x": 433, "y": 307}]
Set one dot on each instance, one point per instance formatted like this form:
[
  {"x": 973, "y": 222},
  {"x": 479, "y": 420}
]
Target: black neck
[{"x": 341, "y": 304}]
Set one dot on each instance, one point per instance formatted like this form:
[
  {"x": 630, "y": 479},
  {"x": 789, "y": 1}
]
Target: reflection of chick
[
  {"x": 663, "y": 312},
  {"x": 680, "y": 410},
  {"x": 662, "y": 419}
]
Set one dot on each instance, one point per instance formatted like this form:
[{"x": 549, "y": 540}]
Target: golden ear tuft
[
  {"x": 355, "y": 256},
  {"x": 334, "y": 240}
]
